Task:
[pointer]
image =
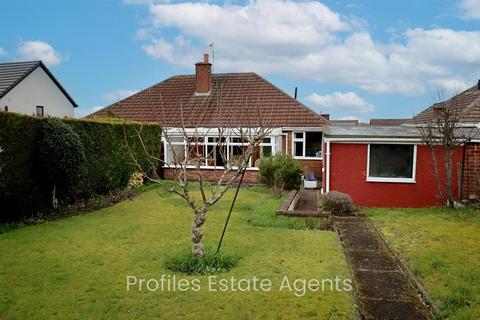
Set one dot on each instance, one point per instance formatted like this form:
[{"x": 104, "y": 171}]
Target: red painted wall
[{"x": 348, "y": 171}]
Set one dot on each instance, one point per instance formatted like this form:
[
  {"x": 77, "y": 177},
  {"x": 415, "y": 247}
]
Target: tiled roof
[
  {"x": 467, "y": 102},
  {"x": 387, "y": 122},
  {"x": 236, "y": 99},
  {"x": 11, "y": 73}
]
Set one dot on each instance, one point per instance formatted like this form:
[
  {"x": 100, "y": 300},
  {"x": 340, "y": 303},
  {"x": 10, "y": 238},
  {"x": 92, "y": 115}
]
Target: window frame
[
  {"x": 206, "y": 143},
  {"x": 43, "y": 111},
  {"x": 393, "y": 180},
  {"x": 303, "y": 140}
]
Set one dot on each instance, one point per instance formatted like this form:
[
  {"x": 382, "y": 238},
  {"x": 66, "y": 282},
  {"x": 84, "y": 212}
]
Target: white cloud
[
  {"x": 470, "y": 9},
  {"x": 81, "y": 112},
  {"x": 119, "y": 94},
  {"x": 2, "y": 52},
  {"x": 308, "y": 40},
  {"x": 40, "y": 50},
  {"x": 338, "y": 101}
]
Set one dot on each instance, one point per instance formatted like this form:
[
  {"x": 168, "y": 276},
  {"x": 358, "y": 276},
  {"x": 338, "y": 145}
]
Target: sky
[{"x": 358, "y": 59}]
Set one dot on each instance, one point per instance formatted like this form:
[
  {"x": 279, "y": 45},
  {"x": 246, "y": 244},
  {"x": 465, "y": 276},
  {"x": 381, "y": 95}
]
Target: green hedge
[{"x": 108, "y": 148}]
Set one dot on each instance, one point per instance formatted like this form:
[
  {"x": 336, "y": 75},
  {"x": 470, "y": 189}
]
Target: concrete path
[{"x": 382, "y": 289}]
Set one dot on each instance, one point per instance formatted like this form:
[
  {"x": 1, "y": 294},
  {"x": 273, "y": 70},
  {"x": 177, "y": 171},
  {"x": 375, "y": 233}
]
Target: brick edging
[{"x": 283, "y": 208}]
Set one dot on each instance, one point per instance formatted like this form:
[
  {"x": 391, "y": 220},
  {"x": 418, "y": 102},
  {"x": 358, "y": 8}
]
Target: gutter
[{"x": 327, "y": 167}]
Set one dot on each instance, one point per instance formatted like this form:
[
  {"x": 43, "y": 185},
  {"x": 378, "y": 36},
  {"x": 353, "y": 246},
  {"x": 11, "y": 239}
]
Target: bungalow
[
  {"x": 227, "y": 100},
  {"x": 467, "y": 104},
  {"x": 28, "y": 87}
]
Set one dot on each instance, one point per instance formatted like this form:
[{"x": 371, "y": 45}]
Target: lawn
[
  {"x": 442, "y": 248},
  {"x": 76, "y": 268}
]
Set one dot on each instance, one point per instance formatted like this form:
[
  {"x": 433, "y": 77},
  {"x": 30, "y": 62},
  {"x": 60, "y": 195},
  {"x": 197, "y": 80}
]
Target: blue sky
[{"x": 353, "y": 59}]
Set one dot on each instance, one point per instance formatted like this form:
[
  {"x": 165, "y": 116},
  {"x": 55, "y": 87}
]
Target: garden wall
[{"x": 108, "y": 148}]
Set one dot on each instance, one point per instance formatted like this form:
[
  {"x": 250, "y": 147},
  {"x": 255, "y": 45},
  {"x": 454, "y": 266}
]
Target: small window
[
  {"x": 39, "y": 111},
  {"x": 391, "y": 163},
  {"x": 6, "y": 108},
  {"x": 307, "y": 144}
]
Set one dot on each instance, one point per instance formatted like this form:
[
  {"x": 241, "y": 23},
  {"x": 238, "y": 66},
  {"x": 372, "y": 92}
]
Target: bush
[
  {"x": 60, "y": 154},
  {"x": 210, "y": 263},
  {"x": 280, "y": 173},
  {"x": 338, "y": 203},
  {"x": 135, "y": 181},
  {"x": 108, "y": 164}
]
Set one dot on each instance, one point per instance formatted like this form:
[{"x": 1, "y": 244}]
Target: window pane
[
  {"x": 313, "y": 146},
  {"x": 391, "y": 161},
  {"x": 266, "y": 151},
  {"x": 175, "y": 152},
  {"x": 175, "y": 139},
  {"x": 267, "y": 140},
  {"x": 298, "y": 135},
  {"x": 196, "y": 154},
  {"x": 236, "y": 153},
  {"x": 39, "y": 111},
  {"x": 298, "y": 149}
]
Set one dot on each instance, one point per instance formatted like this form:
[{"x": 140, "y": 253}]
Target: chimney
[
  {"x": 478, "y": 84},
  {"x": 296, "y": 90},
  {"x": 326, "y": 116},
  {"x": 203, "y": 76}
]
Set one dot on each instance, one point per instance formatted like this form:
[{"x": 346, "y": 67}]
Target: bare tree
[
  {"x": 193, "y": 143},
  {"x": 445, "y": 130}
]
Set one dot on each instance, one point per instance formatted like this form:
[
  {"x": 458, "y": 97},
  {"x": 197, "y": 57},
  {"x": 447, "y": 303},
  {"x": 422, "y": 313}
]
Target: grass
[
  {"x": 77, "y": 267},
  {"x": 210, "y": 263},
  {"x": 442, "y": 248}
]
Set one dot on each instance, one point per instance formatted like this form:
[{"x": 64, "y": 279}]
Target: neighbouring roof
[
  {"x": 387, "y": 122},
  {"x": 394, "y": 132},
  {"x": 236, "y": 99},
  {"x": 344, "y": 122},
  {"x": 467, "y": 102},
  {"x": 12, "y": 73}
]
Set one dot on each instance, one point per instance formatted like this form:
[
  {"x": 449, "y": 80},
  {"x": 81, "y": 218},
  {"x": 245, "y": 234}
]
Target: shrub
[
  {"x": 338, "y": 203},
  {"x": 280, "y": 173},
  {"x": 210, "y": 263},
  {"x": 136, "y": 180},
  {"x": 108, "y": 164},
  {"x": 60, "y": 154}
]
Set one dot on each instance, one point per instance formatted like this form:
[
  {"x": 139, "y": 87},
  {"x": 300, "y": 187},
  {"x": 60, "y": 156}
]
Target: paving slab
[{"x": 383, "y": 290}]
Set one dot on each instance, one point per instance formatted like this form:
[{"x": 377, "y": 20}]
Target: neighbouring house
[
  {"x": 468, "y": 104},
  {"x": 30, "y": 88},
  {"x": 227, "y": 100},
  {"x": 387, "y": 122},
  {"x": 383, "y": 166},
  {"x": 344, "y": 122}
]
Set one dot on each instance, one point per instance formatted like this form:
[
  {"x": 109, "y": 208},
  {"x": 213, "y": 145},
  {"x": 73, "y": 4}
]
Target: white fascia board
[
  {"x": 215, "y": 131},
  {"x": 370, "y": 140}
]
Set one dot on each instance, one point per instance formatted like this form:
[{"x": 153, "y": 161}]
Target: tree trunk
[
  {"x": 198, "y": 248},
  {"x": 54, "y": 197},
  {"x": 448, "y": 176}
]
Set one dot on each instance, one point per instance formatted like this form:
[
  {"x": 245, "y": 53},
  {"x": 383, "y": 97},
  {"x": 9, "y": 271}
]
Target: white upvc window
[
  {"x": 307, "y": 145},
  {"x": 391, "y": 162},
  {"x": 209, "y": 152}
]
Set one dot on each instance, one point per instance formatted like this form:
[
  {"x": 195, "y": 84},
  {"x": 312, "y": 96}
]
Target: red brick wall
[
  {"x": 471, "y": 175},
  {"x": 348, "y": 170},
  {"x": 212, "y": 175}
]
